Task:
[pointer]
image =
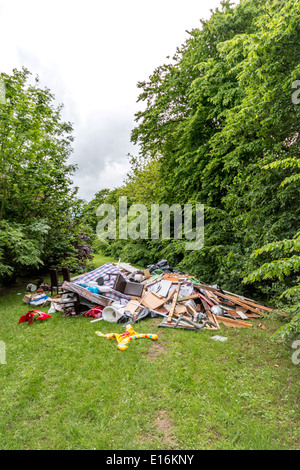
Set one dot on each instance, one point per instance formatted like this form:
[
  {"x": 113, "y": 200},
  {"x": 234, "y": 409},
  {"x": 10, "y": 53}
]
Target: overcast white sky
[{"x": 91, "y": 54}]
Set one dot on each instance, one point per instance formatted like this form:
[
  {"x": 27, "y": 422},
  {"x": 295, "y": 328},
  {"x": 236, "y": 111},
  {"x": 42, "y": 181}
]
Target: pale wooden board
[
  {"x": 173, "y": 303},
  {"x": 153, "y": 301}
]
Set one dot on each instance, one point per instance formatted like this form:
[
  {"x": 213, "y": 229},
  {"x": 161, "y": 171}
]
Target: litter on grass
[
  {"x": 125, "y": 338},
  {"x": 121, "y": 293},
  {"x": 219, "y": 338}
]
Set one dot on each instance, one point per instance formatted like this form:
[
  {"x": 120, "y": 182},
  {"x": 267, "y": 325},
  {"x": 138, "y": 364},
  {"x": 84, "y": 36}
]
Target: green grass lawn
[
  {"x": 64, "y": 388},
  {"x": 99, "y": 259}
]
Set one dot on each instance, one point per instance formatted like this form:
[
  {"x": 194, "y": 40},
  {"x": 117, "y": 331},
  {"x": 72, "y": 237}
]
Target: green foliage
[
  {"x": 289, "y": 332},
  {"x": 38, "y": 204},
  {"x": 219, "y": 127},
  {"x": 21, "y": 245}
]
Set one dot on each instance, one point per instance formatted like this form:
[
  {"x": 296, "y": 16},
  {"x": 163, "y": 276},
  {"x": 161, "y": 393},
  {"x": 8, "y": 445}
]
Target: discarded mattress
[{"x": 108, "y": 272}]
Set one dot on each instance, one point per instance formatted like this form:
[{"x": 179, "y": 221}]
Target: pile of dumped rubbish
[{"x": 121, "y": 293}]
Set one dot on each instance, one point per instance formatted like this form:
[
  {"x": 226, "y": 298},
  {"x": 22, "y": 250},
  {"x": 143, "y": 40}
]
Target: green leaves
[
  {"x": 37, "y": 198},
  {"x": 219, "y": 127},
  {"x": 287, "y": 246},
  {"x": 21, "y": 244},
  {"x": 279, "y": 268}
]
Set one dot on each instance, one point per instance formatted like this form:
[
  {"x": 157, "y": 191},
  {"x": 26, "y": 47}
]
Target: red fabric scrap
[
  {"x": 95, "y": 312},
  {"x": 34, "y": 315}
]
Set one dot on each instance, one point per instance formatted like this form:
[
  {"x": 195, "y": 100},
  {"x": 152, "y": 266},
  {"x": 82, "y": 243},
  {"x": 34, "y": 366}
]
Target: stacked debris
[
  {"x": 180, "y": 299},
  {"x": 121, "y": 293}
]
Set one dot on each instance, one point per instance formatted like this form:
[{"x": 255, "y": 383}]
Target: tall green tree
[
  {"x": 38, "y": 203},
  {"x": 214, "y": 117}
]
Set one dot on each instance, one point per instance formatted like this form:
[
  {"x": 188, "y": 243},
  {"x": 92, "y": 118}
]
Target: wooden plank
[
  {"x": 233, "y": 323},
  {"x": 174, "y": 277},
  {"x": 251, "y": 302},
  {"x": 205, "y": 299},
  {"x": 193, "y": 296},
  {"x": 245, "y": 300},
  {"x": 240, "y": 302},
  {"x": 153, "y": 301},
  {"x": 242, "y": 310},
  {"x": 172, "y": 309},
  {"x": 162, "y": 310},
  {"x": 191, "y": 310},
  {"x": 180, "y": 309},
  {"x": 170, "y": 296},
  {"x": 241, "y": 314},
  {"x": 253, "y": 315},
  {"x": 211, "y": 317},
  {"x": 213, "y": 297},
  {"x": 247, "y": 304},
  {"x": 205, "y": 305},
  {"x": 132, "y": 306}
]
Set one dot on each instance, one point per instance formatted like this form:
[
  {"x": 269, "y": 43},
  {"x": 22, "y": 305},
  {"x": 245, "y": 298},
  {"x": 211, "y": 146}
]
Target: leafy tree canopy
[{"x": 39, "y": 209}]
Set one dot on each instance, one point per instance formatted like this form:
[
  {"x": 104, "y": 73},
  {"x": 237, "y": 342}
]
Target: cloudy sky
[{"x": 91, "y": 54}]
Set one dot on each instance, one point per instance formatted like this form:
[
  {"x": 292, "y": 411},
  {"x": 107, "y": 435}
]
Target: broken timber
[{"x": 172, "y": 309}]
